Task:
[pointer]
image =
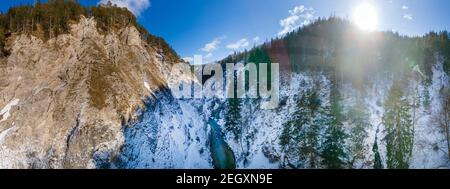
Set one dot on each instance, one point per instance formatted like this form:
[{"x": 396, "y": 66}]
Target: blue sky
[{"x": 215, "y": 28}]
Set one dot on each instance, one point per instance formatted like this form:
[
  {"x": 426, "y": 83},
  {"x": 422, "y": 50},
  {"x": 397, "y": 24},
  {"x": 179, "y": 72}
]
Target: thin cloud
[
  {"x": 408, "y": 17},
  {"x": 213, "y": 45},
  {"x": 404, "y": 7},
  {"x": 135, "y": 6},
  {"x": 242, "y": 43},
  {"x": 256, "y": 39},
  {"x": 208, "y": 56},
  {"x": 299, "y": 16}
]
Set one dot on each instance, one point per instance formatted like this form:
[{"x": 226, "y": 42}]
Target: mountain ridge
[
  {"x": 335, "y": 38},
  {"x": 50, "y": 19},
  {"x": 77, "y": 91}
]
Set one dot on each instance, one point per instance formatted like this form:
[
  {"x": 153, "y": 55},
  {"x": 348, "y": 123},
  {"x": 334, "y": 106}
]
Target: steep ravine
[{"x": 179, "y": 133}]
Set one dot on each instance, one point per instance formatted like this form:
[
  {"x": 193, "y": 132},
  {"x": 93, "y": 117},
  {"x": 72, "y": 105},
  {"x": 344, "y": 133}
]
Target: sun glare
[{"x": 365, "y": 17}]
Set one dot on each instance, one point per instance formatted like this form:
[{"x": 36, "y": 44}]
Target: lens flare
[{"x": 365, "y": 17}]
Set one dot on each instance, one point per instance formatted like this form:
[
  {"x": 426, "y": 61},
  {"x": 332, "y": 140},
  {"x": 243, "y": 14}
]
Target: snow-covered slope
[
  {"x": 173, "y": 133},
  {"x": 62, "y": 100}
]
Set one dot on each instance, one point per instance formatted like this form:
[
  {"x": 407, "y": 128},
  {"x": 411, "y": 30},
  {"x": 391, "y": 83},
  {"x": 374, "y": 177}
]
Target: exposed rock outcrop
[{"x": 73, "y": 94}]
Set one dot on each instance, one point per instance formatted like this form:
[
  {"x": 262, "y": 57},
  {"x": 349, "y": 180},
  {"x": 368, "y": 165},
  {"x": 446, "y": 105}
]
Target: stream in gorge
[
  {"x": 176, "y": 133},
  {"x": 221, "y": 153}
]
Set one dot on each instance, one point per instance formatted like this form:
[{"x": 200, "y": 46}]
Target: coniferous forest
[
  {"x": 50, "y": 19},
  {"x": 314, "y": 135}
]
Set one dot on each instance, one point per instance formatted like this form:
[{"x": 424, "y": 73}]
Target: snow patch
[
  {"x": 429, "y": 145},
  {"x": 4, "y": 133},
  {"x": 171, "y": 134},
  {"x": 147, "y": 86},
  {"x": 5, "y": 113}
]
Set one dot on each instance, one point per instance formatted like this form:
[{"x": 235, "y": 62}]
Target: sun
[{"x": 365, "y": 17}]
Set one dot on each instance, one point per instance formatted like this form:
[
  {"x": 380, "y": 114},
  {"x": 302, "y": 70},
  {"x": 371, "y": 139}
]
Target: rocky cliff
[{"x": 64, "y": 101}]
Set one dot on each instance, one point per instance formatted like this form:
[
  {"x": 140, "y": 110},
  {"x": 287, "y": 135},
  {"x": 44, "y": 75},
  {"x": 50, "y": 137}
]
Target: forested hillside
[
  {"x": 329, "y": 126},
  {"x": 48, "y": 20},
  {"x": 335, "y": 43}
]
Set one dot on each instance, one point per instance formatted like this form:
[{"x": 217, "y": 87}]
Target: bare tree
[
  {"x": 444, "y": 117},
  {"x": 10, "y": 22},
  {"x": 50, "y": 28}
]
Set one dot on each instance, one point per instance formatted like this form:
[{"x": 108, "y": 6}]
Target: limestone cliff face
[{"x": 64, "y": 102}]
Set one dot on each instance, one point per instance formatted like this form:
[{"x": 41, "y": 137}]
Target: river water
[{"x": 221, "y": 153}]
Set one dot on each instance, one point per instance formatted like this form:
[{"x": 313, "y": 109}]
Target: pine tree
[
  {"x": 233, "y": 114},
  {"x": 377, "y": 157},
  {"x": 300, "y": 136},
  {"x": 443, "y": 117},
  {"x": 333, "y": 152},
  {"x": 258, "y": 56},
  {"x": 37, "y": 3},
  {"x": 398, "y": 127},
  {"x": 233, "y": 117},
  {"x": 358, "y": 119},
  {"x": 2, "y": 42}
]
